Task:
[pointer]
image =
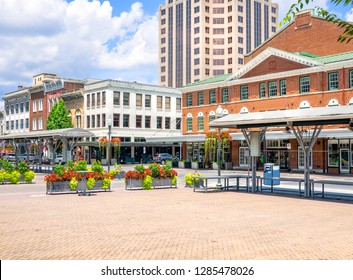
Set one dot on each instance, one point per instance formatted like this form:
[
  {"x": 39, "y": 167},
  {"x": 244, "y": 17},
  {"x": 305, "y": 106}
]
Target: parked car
[
  {"x": 10, "y": 157},
  {"x": 59, "y": 159},
  {"x": 46, "y": 160},
  {"x": 162, "y": 158},
  {"x": 31, "y": 157}
]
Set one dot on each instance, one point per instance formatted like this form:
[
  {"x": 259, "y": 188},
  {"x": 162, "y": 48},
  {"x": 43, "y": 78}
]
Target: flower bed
[
  {"x": 150, "y": 178},
  {"x": 75, "y": 177},
  {"x": 15, "y": 174}
]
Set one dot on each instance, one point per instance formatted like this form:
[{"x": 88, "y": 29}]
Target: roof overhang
[
  {"x": 297, "y": 117},
  {"x": 56, "y": 133},
  {"x": 173, "y": 139}
]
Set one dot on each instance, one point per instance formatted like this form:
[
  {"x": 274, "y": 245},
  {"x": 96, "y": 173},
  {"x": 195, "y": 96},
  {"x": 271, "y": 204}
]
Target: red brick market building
[{"x": 301, "y": 66}]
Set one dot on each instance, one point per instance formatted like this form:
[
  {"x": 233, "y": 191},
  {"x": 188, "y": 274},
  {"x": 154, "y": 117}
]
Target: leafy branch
[{"x": 347, "y": 34}]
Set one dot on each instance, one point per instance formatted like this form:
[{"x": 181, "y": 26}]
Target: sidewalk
[{"x": 170, "y": 224}]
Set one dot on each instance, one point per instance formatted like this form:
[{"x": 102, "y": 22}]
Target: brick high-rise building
[{"x": 201, "y": 39}]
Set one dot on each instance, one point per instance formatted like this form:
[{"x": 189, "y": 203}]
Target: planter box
[
  {"x": 195, "y": 165},
  {"x": 137, "y": 184},
  {"x": 169, "y": 162},
  {"x": 214, "y": 166},
  {"x": 165, "y": 182},
  {"x": 133, "y": 184},
  {"x": 63, "y": 187},
  {"x": 120, "y": 175},
  {"x": 59, "y": 187},
  {"x": 181, "y": 164}
]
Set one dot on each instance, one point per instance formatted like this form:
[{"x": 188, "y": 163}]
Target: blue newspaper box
[{"x": 271, "y": 170}]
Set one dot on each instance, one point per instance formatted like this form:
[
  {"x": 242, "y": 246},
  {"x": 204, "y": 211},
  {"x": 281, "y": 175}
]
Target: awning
[
  {"x": 65, "y": 132},
  {"x": 280, "y": 118}
]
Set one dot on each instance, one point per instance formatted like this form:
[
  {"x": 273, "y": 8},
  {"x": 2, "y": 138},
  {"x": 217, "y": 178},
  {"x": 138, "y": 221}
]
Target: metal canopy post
[
  {"x": 307, "y": 147},
  {"x": 247, "y": 135}
]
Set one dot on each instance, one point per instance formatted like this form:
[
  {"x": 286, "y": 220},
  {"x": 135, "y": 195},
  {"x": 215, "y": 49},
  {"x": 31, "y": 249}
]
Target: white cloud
[
  {"x": 77, "y": 39},
  {"x": 284, "y": 6},
  {"x": 349, "y": 15}
]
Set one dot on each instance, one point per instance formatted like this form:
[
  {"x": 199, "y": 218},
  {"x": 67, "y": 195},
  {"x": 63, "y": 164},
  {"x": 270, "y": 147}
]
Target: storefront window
[
  {"x": 333, "y": 153},
  {"x": 244, "y": 153},
  {"x": 244, "y": 156},
  {"x": 301, "y": 159}
]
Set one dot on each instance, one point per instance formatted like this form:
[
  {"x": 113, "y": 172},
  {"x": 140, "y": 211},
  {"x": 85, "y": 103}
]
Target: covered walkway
[
  {"x": 51, "y": 139},
  {"x": 305, "y": 124}
]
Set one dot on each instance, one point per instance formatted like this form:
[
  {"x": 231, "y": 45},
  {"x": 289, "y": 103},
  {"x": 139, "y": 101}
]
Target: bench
[
  {"x": 205, "y": 186},
  {"x": 237, "y": 178},
  {"x": 327, "y": 182},
  {"x": 298, "y": 180}
]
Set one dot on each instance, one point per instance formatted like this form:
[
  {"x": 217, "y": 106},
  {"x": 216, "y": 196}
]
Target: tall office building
[{"x": 201, "y": 39}]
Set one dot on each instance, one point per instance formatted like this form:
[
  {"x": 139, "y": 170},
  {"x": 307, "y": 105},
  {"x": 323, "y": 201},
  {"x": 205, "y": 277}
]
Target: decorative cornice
[{"x": 272, "y": 52}]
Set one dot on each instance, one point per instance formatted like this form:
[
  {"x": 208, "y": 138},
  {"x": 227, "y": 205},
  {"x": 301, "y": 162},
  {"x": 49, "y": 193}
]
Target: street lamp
[
  {"x": 109, "y": 122},
  {"x": 219, "y": 114}
]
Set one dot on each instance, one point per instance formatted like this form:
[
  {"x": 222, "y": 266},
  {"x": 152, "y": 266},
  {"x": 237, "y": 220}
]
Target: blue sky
[{"x": 116, "y": 39}]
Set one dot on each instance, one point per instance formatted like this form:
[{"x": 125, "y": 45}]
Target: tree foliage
[
  {"x": 59, "y": 117},
  {"x": 347, "y": 27}
]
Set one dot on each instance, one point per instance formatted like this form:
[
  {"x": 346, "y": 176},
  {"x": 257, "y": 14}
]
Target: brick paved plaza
[{"x": 170, "y": 224}]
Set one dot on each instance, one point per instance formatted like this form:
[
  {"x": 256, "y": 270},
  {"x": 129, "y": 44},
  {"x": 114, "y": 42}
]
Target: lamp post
[
  {"x": 219, "y": 114},
  {"x": 109, "y": 122}
]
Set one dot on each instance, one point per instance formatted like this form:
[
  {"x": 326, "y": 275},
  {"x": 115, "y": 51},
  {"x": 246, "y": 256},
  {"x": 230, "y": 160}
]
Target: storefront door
[{"x": 344, "y": 161}]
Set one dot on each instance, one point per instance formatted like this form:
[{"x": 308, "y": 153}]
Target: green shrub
[
  {"x": 14, "y": 177},
  {"x": 90, "y": 183},
  {"x": 154, "y": 167},
  {"x": 106, "y": 183},
  {"x": 80, "y": 165},
  {"x": 28, "y": 176},
  {"x": 188, "y": 179},
  {"x": 147, "y": 183},
  {"x": 3, "y": 176},
  {"x": 73, "y": 184},
  {"x": 174, "y": 180},
  {"x": 22, "y": 166},
  {"x": 70, "y": 165},
  {"x": 7, "y": 166},
  {"x": 59, "y": 169},
  {"x": 97, "y": 167},
  {"x": 139, "y": 168}
]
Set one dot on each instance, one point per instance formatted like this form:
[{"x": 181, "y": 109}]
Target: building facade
[
  {"x": 136, "y": 111},
  {"x": 17, "y": 110},
  {"x": 200, "y": 39},
  {"x": 38, "y": 107},
  {"x": 279, "y": 80},
  {"x": 53, "y": 91}
]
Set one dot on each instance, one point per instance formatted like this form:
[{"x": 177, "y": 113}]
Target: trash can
[{"x": 271, "y": 170}]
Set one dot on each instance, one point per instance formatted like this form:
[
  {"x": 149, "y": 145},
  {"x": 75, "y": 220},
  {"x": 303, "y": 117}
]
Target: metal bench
[
  {"x": 205, "y": 186},
  {"x": 298, "y": 180},
  {"x": 327, "y": 182}
]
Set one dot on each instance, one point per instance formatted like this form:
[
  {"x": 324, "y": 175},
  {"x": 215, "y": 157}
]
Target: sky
[{"x": 115, "y": 39}]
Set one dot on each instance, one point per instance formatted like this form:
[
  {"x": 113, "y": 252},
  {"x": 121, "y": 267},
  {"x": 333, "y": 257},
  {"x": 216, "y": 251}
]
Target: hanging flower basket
[
  {"x": 211, "y": 142},
  {"x": 103, "y": 142},
  {"x": 116, "y": 144}
]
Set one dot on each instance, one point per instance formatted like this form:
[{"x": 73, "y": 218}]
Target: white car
[{"x": 59, "y": 159}]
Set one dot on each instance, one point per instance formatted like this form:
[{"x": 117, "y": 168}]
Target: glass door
[{"x": 344, "y": 161}]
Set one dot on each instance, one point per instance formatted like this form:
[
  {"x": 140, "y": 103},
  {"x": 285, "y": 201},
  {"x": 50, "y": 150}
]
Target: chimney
[{"x": 303, "y": 20}]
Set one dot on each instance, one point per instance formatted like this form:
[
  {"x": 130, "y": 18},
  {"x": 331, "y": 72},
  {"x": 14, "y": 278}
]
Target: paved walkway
[{"x": 170, "y": 224}]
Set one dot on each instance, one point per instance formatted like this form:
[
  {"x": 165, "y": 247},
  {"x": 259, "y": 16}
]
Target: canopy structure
[
  {"x": 306, "y": 125},
  {"x": 69, "y": 137}
]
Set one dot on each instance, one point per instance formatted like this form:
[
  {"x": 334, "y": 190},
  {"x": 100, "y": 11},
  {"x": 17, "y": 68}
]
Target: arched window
[
  {"x": 200, "y": 122},
  {"x": 189, "y": 122}
]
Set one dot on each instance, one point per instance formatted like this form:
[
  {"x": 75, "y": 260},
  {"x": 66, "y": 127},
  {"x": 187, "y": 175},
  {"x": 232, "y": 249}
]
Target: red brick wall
[
  {"x": 306, "y": 34},
  {"x": 273, "y": 65}
]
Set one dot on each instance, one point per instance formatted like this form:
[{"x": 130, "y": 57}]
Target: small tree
[{"x": 59, "y": 117}]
